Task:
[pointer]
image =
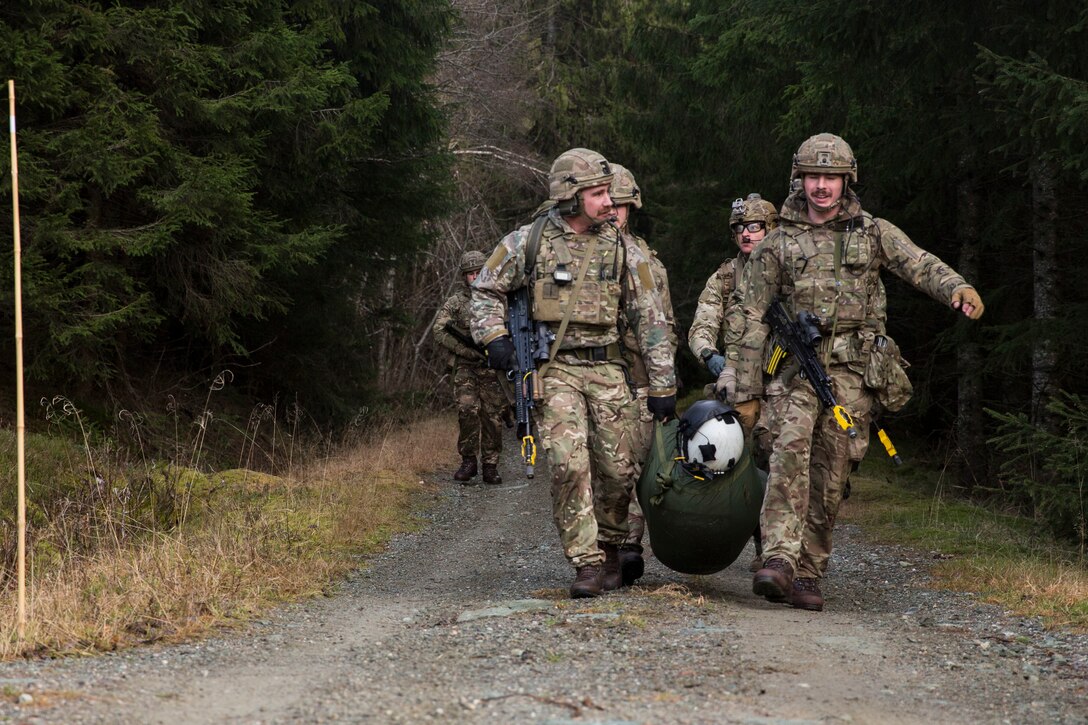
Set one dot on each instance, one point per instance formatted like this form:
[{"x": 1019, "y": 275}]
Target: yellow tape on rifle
[
  {"x": 777, "y": 356},
  {"x": 528, "y": 443},
  {"x": 845, "y": 421}
]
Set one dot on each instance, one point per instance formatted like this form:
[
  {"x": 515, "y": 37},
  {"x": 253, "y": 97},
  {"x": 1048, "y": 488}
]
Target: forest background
[{"x": 281, "y": 189}]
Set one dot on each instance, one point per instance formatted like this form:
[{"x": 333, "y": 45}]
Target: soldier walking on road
[
  {"x": 826, "y": 259},
  {"x": 626, "y": 196},
  {"x": 581, "y": 271},
  {"x": 750, "y": 221},
  {"x": 480, "y": 399}
]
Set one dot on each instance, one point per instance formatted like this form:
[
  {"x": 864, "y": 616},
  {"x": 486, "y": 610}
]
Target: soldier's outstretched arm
[
  {"x": 926, "y": 271},
  {"x": 503, "y": 272}
]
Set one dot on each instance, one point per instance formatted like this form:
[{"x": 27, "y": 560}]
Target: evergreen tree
[{"x": 191, "y": 172}]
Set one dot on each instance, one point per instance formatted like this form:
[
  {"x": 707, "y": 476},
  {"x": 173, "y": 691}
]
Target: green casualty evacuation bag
[{"x": 697, "y": 526}]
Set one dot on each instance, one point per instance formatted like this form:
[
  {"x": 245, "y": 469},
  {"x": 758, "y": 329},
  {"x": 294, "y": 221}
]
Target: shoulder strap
[{"x": 532, "y": 244}]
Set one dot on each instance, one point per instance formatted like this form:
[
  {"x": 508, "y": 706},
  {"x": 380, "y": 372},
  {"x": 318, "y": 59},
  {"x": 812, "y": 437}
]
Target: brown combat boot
[
  {"x": 631, "y": 564},
  {"x": 774, "y": 581},
  {"x": 610, "y": 572},
  {"x": 491, "y": 474},
  {"x": 807, "y": 595},
  {"x": 467, "y": 471},
  {"x": 587, "y": 582}
]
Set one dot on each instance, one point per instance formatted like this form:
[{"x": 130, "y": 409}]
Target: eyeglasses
[{"x": 750, "y": 226}]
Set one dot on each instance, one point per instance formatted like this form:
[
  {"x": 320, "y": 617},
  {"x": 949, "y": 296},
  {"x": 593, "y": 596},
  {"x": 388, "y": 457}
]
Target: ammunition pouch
[{"x": 886, "y": 375}]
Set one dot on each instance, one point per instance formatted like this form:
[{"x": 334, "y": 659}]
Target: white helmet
[{"x": 710, "y": 438}]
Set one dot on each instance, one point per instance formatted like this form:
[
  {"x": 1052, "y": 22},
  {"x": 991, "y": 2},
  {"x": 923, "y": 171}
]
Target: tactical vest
[
  {"x": 555, "y": 274},
  {"x": 832, "y": 271}
]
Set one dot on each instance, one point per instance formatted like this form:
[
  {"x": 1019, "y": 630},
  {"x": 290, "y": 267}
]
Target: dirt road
[{"x": 466, "y": 621}]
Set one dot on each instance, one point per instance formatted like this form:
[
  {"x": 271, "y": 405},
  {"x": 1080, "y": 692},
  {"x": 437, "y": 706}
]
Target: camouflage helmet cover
[
  {"x": 577, "y": 169},
  {"x": 624, "y": 190},
  {"x": 754, "y": 209},
  {"x": 825, "y": 153},
  {"x": 472, "y": 262}
]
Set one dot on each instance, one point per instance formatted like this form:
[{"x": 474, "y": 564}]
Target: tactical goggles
[{"x": 750, "y": 226}]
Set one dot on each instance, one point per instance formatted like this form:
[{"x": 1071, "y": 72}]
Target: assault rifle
[
  {"x": 531, "y": 345},
  {"x": 800, "y": 338},
  {"x": 462, "y": 337}
]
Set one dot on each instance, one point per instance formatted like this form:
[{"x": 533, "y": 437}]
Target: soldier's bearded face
[
  {"x": 597, "y": 204},
  {"x": 823, "y": 191}
]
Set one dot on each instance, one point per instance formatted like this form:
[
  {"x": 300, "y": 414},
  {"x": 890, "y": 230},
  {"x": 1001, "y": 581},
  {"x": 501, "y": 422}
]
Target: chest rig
[
  {"x": 559, "y": 263},
  {"x": 832, "y": 271}
]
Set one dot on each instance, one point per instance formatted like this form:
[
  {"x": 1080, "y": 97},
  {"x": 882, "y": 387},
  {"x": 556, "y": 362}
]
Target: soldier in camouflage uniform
[
  {"x": 583, "y": 273},
  {"x": 480, "y": 399},
  {"x": 625, "y": 195},
  {"x": 825, "y": 258},
  {"x": 751, "y": 219}
]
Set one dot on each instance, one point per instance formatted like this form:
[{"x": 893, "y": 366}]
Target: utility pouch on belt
[{"x": 886, "y": 375}]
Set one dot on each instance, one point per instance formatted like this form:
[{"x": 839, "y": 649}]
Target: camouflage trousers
[
  {"x": 810, "y": 462},
  {"x": 591, "y": 484},
  {"x": 480, "y": 403},
  {"x": 771, "y": 406},
  {"x": 643, "y": 436}
]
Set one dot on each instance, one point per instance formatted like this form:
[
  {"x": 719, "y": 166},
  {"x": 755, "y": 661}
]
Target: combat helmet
[
  {"x": 624, "y": 190},
  {"x": 709, "y": 438},
  {"x": 825, "y": 153},
  {"x": 472, "y": 261},
  {"x": 754, "y": 209},
  {"x": 577, "y": 169}
]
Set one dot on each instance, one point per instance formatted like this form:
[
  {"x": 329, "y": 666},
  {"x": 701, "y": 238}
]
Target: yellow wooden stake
[{"x": 20, "y": 427}]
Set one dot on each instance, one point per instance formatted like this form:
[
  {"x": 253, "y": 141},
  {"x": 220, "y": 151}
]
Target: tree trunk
[
  {"x": 970, "y": 434},
  {"x": 1044, "y": 232},
  {"x": 385, "y": 335}
]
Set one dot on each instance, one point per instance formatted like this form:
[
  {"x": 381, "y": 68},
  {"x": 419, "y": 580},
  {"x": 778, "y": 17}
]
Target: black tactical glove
[
  {"x": 501, "y": 354},
  {"x": 662, "y": 407}
]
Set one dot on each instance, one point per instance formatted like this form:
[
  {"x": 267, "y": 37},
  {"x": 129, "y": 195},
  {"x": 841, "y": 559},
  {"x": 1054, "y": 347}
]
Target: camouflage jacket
[
  {"x": 708, "y": 329},
  {"x": 455, "y": 313},
  {"x": 833, "y": 270},
  {"x": 630, "y": 317},
  {"x": 619, "y": 272}
]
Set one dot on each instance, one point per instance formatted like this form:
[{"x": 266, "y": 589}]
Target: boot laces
[{"x": 808, "y": 585}]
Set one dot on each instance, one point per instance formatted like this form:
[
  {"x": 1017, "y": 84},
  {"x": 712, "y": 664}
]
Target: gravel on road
[{"x": 467, "y": 621}]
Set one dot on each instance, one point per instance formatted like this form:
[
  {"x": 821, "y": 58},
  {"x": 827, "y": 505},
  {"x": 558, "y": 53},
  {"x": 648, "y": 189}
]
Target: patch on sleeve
[
  {"x": 644, "y": 276},
  {"x": 497, "y": 258}
]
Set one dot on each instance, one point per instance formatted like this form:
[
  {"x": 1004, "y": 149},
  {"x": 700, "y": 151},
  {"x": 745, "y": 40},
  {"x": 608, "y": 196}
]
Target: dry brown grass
[
  {"x": 1004, "y": 558},
  {"x": 261, "y": 540},
  {"x": 1054, "y": 590}
]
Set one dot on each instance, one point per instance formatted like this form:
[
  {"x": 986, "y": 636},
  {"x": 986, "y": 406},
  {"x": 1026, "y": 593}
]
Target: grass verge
[
  {"x": 151, "y": 552},
  {"x": 1004, "y": 558}
]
